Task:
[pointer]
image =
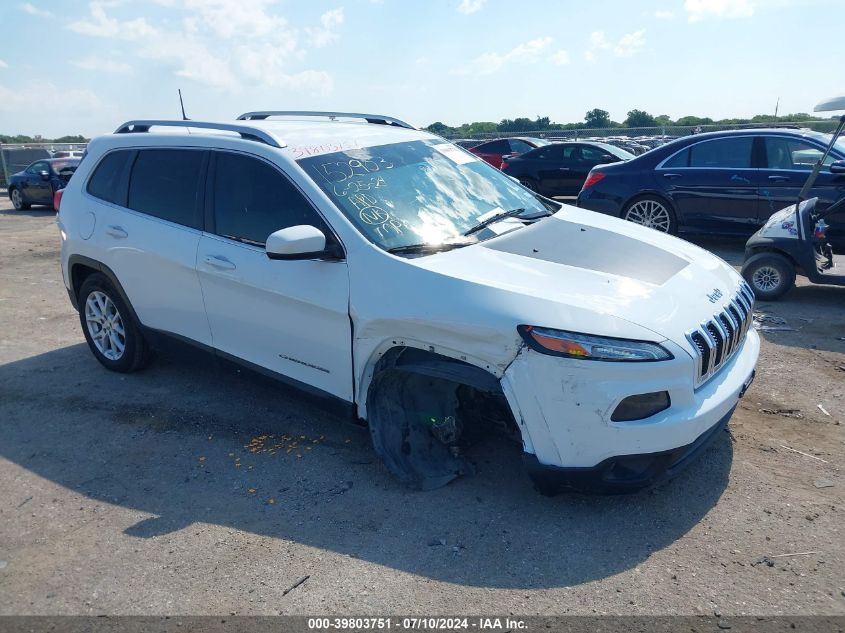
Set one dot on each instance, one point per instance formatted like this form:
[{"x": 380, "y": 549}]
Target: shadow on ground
[{"x": 170, "y": 442}]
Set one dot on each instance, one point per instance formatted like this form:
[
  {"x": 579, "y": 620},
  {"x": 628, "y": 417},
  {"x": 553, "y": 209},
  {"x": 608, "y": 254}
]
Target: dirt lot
[{"x": 137, "y": 495}]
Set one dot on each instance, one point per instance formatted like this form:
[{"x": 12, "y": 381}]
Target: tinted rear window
[
  {"x": 105, "y": 183},
  {"x": 726, "y": 152},
  {"x": 165, "y": 184}
]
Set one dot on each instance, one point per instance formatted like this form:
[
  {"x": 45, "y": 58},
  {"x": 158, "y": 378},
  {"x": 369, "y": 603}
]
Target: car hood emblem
[{"x": 715, "y": 295}]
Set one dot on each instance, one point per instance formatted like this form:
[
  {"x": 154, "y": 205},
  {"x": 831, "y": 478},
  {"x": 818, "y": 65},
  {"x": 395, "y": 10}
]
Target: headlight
[{"x": 589, "y": 347}]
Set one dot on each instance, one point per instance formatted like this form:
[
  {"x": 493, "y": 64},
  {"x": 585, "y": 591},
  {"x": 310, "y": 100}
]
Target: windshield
[{"x": 422, "y": 192}]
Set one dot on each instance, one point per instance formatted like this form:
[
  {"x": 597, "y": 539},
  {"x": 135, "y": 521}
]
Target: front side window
[
  {"x": 165, "y": 184},
  {"x": 37, "y": 168},
  {"x": 788, "y": 153},
  {"x": 252, "y": 199},
  {"x": 732, "y": 153},
  {"x": 420, "y": 192}
]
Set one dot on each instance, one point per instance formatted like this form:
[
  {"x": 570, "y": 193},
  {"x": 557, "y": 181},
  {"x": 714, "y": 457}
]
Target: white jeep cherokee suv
[{"x": 397, "y": 273}]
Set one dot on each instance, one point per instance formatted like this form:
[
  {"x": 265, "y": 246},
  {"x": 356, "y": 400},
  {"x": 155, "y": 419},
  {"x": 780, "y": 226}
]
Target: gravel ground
[{"x": 173, "y": 491}]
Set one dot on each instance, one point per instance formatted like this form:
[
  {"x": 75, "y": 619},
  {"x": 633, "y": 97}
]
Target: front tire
[
  {"x": 770, "y": 275},
  {"x": 110, "y": 330},
  {"x": 17, "y": 199},
  {"x": 652, "y": 212}
]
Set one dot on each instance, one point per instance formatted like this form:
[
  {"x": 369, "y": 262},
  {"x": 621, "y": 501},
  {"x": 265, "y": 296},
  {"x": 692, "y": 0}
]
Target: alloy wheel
[
  {"x": 105, "y": 325},
  {"x": 17, "y": 199},
  {"x": 650, "y": 213}
]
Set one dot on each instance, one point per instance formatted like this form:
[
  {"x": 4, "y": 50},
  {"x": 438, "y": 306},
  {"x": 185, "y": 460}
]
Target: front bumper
[
  {"x": 624, "y": 473},
  {"x": 563, "y": 408}
]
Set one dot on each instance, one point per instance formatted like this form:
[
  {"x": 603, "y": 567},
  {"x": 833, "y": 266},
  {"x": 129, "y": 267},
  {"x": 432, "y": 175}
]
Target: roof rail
[
  {"x": 246, "y": 132},
  {"x": 369, "y": 118}
]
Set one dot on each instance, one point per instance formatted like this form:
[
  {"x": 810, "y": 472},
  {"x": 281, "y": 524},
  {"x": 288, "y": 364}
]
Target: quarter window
[
  {"x": 732, "y": 153},
  {"x": 105, "y": 183},
  {"x": 253, "y": 200},
  {"x": 681, "y": 159},
  {"x": 165, "y": 184}
]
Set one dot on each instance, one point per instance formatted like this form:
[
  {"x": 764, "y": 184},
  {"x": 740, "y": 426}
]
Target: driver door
[{"x": 291, "y": 317}]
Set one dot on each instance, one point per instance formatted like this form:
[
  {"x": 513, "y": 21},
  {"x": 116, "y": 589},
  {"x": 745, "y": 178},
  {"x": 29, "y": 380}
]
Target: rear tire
[
  {"x": 770, "y": 275},
  {"x": 110, "y": 330},
  {"x": 17, "y": 199},
  {"x": 652, "y": 212}
]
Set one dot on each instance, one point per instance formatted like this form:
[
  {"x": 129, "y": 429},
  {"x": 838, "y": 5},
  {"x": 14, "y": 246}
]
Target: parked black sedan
[
  {"x": 718, "y": 182},
  {"x": 560, "y": 169},
  {"x": 37, "y": 183}
]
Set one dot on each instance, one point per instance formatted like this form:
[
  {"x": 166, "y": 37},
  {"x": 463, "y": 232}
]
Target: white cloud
[
  {"x": 468, "y": 7},
  {"x": 598, "y": 40},
  {"x": 627, "y": 46},
  {"x": 26, "y": 7},
  {"x": 43, "y": 96},
  {"x": 630, "y": 44},
  {"x": 98, "y": 24},
  {"x": 701, "y": 9},
  {"x": 664, "y": 15},
  {"x": 561, "y": 58},
  {"x": 489, "y": 63},
  {"x": 325, "y": 34},
  {"x": 228, "y": 45},
  {"x": 237, "y": 18},
  {"x": 3, "y": 64},
  {"x": 99, "y": 64}
]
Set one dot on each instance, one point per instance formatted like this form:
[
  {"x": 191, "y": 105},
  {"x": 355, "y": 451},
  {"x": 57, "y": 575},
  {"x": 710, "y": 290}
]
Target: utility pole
[{"x": 777, "y": 105}]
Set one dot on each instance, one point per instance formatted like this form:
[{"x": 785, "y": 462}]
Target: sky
[{"x": 84, "y": 67}]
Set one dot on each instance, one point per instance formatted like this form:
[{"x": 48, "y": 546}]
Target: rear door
[
  {"x": 789, "y": 161},
  {"x": 147, "y": 204},
  {"x": 291, "y": 317},
  {"x": 713, "y": 184}
]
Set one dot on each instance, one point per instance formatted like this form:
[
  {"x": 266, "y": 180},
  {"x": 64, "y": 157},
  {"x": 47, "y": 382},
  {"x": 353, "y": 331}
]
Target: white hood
[{"x": 592, "y": 267}]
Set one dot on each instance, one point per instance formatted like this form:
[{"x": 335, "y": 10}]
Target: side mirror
[
  {"x": 837, "y": 167},
  {"x": 297, "y": 242},
  {"x": 45, "y": 175}
]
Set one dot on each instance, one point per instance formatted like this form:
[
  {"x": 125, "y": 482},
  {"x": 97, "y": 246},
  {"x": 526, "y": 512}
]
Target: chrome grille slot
[{"x": 717, "y": 339}]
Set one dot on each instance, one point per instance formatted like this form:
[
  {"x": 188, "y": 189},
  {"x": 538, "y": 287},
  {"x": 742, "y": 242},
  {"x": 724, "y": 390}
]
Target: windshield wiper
[
  {"x": 412, "y": 249},
  {"x": 494, "y": 218}
]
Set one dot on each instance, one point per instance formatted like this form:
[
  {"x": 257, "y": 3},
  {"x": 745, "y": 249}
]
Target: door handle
[
  {"x": 116, "y": 231},
  {"x": 563, "y": 168},
  {"x": 779, "y": 178},
  {"x": 670, "y": 175},
  {"x": 220, "y": 262}
]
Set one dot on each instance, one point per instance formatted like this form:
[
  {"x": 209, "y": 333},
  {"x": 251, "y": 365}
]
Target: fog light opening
[{"x": 641, "y": 406}]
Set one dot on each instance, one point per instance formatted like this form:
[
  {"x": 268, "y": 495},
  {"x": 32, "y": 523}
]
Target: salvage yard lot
[{"x": 193, "y": 487}]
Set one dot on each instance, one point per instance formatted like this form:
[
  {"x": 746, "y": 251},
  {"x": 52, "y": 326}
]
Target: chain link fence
[
  {"x": 15, "y": 157},
  {"x": 668, "y": 131}
]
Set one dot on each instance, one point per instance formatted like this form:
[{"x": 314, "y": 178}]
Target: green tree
[
  {"x": 76, "y": 138},
  {"x": 694, "y": 120},
  {"x": 439, "y": 128},
  {"x": 663, "y": 120},
  {"x": 597, "y": 118},
  {"x": 640, "y": 118}
]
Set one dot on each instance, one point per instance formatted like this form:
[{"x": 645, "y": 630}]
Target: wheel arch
[
  {"x": 431, "y": 360},
  {"x": 650, "y": 193},
  {"x": 772, "y": 250},
  {"x": 80, "y": 268}
]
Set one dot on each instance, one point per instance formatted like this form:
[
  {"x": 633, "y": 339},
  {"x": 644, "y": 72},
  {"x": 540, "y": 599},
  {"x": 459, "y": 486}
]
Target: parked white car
[{"x": 405, "y": 278}]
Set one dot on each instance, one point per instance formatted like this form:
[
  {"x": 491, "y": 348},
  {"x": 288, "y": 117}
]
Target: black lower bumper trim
[{"x": 622, "y": 473}]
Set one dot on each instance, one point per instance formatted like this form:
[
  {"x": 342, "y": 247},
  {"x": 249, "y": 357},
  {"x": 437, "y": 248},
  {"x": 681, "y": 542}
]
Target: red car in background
[{"x": 493, "y": 151}]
